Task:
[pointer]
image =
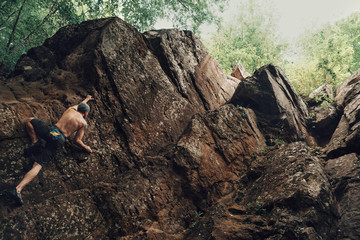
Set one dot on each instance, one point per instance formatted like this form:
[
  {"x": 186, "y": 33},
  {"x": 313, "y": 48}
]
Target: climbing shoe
[{"x": 16, "y": 197}]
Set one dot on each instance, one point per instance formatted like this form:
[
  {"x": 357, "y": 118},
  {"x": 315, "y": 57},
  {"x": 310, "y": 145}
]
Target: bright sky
[
  {"x": 297, "y": 15},
  {"x": 294, "y": 15}
]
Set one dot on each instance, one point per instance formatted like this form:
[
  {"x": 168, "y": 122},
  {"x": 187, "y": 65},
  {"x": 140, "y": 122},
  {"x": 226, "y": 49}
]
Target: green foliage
[
  {"x": 250, "y": 38},
  {"x": 279, "y": 142},
  {"x": 316, "y": 149},
  {"x": 311, "y": 117},
  {"x": 324, "y": 99},
  {"x": 38, "y": 20},
  {"x": 331, "y": 54},
  {"x": 243, "y": 113},
  {"x": 256, "y": 206},
  {"x": 303, "y": 75},
  {"x": 350, "y": 28},
  {"x": 188, "y": 14},
  {"x": 199, "y": 215}
]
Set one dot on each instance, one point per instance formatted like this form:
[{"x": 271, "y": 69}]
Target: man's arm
[
  {"x": 88, "y": 98},
  {"x": 78, "y": 139}
]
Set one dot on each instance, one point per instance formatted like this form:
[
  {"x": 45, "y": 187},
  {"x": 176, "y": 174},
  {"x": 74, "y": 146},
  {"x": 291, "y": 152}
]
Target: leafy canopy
[
  {"x": 251, "y": 38},
  {"x": 330, "y": 55},
  {"x": 27, "y": 23}
]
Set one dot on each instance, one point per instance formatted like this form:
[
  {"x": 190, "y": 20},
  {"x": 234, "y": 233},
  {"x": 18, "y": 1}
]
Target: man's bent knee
[
  {"x": 28, "y": 120},
  {"x": 37, "y": 165}
]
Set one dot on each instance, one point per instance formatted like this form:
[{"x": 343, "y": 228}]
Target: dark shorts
[{"x": 54, "y": 140}]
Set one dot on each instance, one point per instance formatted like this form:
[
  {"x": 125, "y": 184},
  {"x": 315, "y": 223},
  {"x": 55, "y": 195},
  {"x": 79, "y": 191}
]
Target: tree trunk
[{"x": 15, "y": 24}]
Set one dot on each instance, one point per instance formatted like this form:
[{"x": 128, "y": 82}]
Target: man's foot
[
  {"x": 16, "y": 197},
  {"x": 33, "y": 149}
]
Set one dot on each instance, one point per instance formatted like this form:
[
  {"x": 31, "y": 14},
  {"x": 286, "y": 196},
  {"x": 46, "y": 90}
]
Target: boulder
[
  {"x": 343, "y": 174},
  {"x": 322, "y": 94},
  {"x": 347, "y": 133},
  {"x": 4, "y": 71},
  {"x": 130, "y": 75},
  {"x": 280, "y": 111},
  {"x": 285, "y": 194},
  {"x": 322, "y": 122},
  {"x": 239, "y": 72},
  {"x": 183, "y": 64},
  {"x": 342, "y": 152},
  {"x": 234, "y": 82},
  {"x": 147, "y": 87},
  {"x": 323, "y": 114},
  {"x": 214, "y": 150},
  {"x": 348, "y": 90}
]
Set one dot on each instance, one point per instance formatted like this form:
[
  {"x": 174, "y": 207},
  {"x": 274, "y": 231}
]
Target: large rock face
[
  {"x": 214, "y": 150},
  {"x": 181, "y": 151},
  {"x": 344, "y": 176},
  {"x": 281, "y": 111},
  {"x": 342, "y": 152},
  {"x": 283, "y": 195},
  {"x": 346, "y": 138},
  {"x": 147, "y": 88}
]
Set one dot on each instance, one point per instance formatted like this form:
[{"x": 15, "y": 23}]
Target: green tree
[
  {"x": 350, "y": 28},
  {"x": 328, "y": 58},
  {"x": 24, "y": 24},
  {"x": 251, "y": 38}
]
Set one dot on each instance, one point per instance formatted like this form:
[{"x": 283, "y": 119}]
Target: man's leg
[
  {"x": 31, "y": 131},
  {"x": 29, "y": 176},
  {"x": 35, "y": 128}
]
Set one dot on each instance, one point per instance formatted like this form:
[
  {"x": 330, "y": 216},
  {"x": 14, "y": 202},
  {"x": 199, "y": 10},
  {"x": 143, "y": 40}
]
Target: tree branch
[
  {"x": 7, "y": 19},
  {"x": 183, "y": 4},
  {"x": 52, "y": 11}
]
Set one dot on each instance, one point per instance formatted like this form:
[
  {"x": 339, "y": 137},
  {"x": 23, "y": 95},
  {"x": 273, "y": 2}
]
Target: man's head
[{"x": 84, "y": 108}]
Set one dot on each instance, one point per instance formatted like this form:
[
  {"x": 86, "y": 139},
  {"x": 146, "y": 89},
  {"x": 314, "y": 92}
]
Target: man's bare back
[
  {"x": 73, "y": 121},
  {"x": 70, "y": 122}
]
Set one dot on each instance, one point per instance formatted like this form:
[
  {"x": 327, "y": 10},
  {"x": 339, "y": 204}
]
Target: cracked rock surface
[{"x": 180, "y": 150}]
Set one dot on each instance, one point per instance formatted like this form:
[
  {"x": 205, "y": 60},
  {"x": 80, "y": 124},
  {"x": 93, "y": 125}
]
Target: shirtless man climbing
[{"x": 73, "y": 120}]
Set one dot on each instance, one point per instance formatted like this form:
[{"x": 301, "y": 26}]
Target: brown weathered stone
[
  {"x": 344, "y": 177},
  {"x": 239, "y": 72},
  {"x": 146, "y": 91},
  {"x": 322, "y": 122},
  {"x": 323, "y": 115},
  {"x": 280, "y": 110},
  {"x": 215, "y": 149},
  {"x": 348, "y": 90},
  {"x": 190, "y": 62},
  {"x": 284, "y": 195},
  {"x": 346, "y": 138}
]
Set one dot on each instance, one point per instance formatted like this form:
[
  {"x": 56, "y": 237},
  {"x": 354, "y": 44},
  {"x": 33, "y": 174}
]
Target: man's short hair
[{"x": 83, "y": 108}]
